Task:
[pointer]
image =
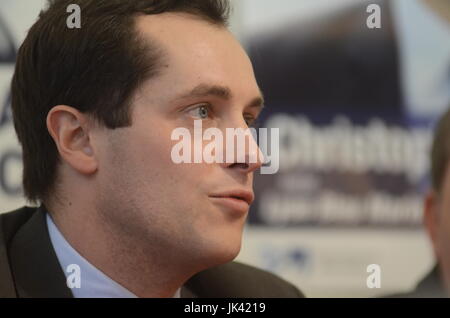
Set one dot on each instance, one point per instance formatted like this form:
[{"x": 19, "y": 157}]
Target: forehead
[{"x": 195, "y": 51}]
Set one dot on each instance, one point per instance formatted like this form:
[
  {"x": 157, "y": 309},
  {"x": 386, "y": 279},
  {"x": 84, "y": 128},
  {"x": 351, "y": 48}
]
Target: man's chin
[
  {"x": 225, "y": 254},
  {"x": 216, "y": 255}
]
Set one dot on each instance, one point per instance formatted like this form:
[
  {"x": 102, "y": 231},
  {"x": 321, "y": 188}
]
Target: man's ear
[
  {"x": 69, "y": 129},
  {"x": 431, "y": 219}
]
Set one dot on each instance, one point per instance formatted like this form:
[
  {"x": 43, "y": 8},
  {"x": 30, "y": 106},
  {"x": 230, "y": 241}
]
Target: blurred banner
[{"x": 355, "y": 107}]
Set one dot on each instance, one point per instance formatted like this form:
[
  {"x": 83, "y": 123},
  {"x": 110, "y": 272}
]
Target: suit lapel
[
  {"x": 7, "y": 289},
  {"x": 36, "y": 270}
]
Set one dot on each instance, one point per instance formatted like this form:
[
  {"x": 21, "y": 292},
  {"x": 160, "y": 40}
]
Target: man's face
[
  {"x": 141, "y": 191},
  {"x": 437, "y": 220}
]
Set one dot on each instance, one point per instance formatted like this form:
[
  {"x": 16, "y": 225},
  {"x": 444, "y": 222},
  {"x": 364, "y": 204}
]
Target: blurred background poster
[{"x": 355, "y": 108}]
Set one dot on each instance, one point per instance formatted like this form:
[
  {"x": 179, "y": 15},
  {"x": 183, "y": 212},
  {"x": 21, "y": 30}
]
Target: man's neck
[{"x": 143, "y": 269}]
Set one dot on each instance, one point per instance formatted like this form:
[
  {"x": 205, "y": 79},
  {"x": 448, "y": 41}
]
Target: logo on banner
[{"x": 10, "y": 155}]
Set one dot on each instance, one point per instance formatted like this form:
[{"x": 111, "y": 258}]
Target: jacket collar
[{"x": 35, "y": 267}]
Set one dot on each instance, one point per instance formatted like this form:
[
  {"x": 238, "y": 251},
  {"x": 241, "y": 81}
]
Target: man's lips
[{"x": 243, "y": 195}]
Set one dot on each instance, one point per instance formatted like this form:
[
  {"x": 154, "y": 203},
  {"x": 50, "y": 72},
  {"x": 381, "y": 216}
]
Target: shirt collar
[{"x": 94, "y": 283}]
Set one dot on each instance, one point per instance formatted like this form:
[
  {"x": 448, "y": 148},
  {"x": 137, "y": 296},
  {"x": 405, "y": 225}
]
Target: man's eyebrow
[
  {"x": 257, "y": 102},
  {"x": 223, "y": 92}
]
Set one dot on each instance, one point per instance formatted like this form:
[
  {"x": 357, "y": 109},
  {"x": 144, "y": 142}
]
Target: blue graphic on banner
[
  {"x": 276, "y": 259},
  {"x": 9, "y": 156}
]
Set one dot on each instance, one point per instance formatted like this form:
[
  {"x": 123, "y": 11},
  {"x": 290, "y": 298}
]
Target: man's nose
[{"x": 241, "y": 149}]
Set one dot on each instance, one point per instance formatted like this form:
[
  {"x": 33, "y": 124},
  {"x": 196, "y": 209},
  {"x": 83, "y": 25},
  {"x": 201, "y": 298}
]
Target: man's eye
[
  {"x": 200, "y": 112},
  {"x": 250, "y": 121}
]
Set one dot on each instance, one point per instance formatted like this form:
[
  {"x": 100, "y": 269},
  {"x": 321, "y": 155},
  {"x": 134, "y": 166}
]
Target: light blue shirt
[
  {"x": 93, "y": 282},
  {"x": 424, "y": 47}
]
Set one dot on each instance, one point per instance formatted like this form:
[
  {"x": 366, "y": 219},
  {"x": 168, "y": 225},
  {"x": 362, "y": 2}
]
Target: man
[
  {"x": 436, "y": 218},
  {"x": 94, "y": 109}
]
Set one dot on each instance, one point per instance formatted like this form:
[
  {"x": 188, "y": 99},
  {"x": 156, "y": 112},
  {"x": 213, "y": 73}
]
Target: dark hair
[
  {"x": 440, "y": 152},
  {"x": 94, "y": 69}
]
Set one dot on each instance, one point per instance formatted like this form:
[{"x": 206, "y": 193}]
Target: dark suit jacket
[
  {"x": 29, "y": 267},
  {"x": 430, "y": 286}
]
